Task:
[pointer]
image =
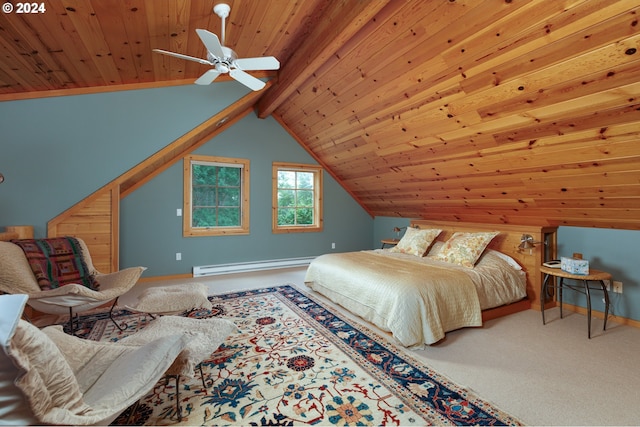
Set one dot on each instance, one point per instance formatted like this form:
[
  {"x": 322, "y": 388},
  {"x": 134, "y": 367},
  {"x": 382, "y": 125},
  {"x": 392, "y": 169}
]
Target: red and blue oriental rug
[{"x": 297, "y": 362}]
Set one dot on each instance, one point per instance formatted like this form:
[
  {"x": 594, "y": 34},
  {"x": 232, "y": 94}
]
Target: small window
[
  {"x": 216, "y": 196},
  {"x": 297, "y": 198}
]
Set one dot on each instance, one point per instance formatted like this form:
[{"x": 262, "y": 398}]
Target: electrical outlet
[
  {"x": 333, "y": 245},
  {"x": 607, "y": 284},
  {"x": 617, "y": 287},
  {"x": 178, "y": 256}
]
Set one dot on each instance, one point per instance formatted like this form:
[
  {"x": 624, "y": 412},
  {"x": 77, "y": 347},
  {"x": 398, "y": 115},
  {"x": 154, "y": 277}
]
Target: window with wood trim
[
  {"x": 216, "y": 196},
  {"x": 297, "y": 198}
]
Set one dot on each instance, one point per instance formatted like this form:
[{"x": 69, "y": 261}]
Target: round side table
[{"x": 593, "y": 276}]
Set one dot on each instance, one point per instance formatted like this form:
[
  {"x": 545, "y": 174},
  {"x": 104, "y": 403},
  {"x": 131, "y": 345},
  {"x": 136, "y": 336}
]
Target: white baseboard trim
[{"x": 243, "y": 267}]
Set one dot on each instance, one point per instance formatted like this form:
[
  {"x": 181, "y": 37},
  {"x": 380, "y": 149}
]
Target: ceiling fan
[{"x": 224, "y": 60}]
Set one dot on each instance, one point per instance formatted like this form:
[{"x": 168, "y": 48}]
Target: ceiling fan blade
[
  {"x": 181, "y": 56},
  {"x": 211, "y": 42},
  {"x": 246, "y": 79},
  {"x": 208, "y": 77},
  {"x": 263, "y": 63}
]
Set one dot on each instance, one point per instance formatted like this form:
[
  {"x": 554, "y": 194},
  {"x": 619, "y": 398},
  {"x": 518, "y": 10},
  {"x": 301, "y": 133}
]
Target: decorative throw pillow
[
  {"x": 465, "y": 248},
  {"x": 57, "y": 262},
  {"x": 416, "y": 241}
]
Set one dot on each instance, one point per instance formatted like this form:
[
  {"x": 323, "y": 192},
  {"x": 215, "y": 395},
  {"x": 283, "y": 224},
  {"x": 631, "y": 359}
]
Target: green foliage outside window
[
  {"x": 295, "y": 198},
  {"x": 216, "y": 195}
]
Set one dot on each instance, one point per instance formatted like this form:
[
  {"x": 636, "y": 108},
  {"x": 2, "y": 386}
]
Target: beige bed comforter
[{"x": 418, "y": 300}]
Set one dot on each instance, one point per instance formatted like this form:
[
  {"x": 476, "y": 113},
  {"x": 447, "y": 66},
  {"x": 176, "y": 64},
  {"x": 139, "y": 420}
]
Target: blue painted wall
[
  {"x": 56, "y": 151},
  {"x": 148, "y": 216},
  {"x": 614, "y": 251},
  {"x": 383, "y": 228}
]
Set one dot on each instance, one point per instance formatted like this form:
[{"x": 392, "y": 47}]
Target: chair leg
[
  {"x": 120, "y": 328},
  {"x": 71, "y": 328},
  {"x": 204, "y": 383},
  {"x": 178, "y": 407}
]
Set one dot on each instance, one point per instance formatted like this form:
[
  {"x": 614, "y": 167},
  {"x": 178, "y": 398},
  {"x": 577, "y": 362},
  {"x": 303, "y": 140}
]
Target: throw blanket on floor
[{"x": 57, "y": 262}]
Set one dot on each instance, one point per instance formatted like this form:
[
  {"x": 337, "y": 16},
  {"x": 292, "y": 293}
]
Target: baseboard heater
[{"x": 243, "y": 267}]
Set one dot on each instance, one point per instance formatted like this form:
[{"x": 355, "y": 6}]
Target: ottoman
[{"x": 171, "y": 299}]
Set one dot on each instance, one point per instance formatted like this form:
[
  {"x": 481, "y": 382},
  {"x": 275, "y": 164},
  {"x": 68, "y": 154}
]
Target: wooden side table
[
  {"x": 593, "y": 276},
  {"x": 390, "y": 242}
]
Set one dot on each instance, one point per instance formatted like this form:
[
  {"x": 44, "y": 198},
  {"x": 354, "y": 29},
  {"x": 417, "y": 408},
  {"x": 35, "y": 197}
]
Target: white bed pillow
[
  {"x": 416, "y": 241},
  {"x": 512, "y": 262},
  {"x": 465, "y": 248}
]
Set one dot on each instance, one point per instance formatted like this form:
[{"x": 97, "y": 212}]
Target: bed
[{"x": 420, "y": 298}]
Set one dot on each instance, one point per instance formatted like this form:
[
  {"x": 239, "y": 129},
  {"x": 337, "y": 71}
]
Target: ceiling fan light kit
[{"x": 224, "y": 60}]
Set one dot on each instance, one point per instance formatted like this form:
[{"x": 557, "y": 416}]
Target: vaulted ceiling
[{"x": 498, "y": 111}]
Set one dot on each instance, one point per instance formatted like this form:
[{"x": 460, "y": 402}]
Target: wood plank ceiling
[{"x": 498, "y": 111}]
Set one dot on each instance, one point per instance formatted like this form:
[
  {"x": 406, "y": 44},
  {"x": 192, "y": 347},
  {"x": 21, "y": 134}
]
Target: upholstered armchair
[
  {"x": 49, "y": 377},
  {"x": 17, "y": 277}
]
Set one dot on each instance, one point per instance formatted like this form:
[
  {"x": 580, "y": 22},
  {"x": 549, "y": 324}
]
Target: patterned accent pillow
[
  {"x": 416, "y": 241},
  {"x": 465, "y": 248},
  {"x": 56, "y": 262}
]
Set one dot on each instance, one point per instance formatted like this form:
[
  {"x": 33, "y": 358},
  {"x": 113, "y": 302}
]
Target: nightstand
[
  {"x": 390, "y": 242},
  {"x": 593, "y": 276}
]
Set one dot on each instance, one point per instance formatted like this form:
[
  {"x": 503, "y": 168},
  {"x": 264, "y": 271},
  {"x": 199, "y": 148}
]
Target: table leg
[
  {"x": 586, "y": 288},
  {"x": 543, "y": 292},
  {"x": 560, "y": 295},
  {"x": 606, "y": 304}
]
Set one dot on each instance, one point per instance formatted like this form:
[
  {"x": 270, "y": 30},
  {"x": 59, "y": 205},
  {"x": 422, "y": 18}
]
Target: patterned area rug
[{"x": 297, "y": 362}]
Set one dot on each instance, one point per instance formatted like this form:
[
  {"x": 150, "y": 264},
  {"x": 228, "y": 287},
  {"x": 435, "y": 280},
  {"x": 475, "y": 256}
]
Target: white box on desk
[{"x": 574, "y": 265}]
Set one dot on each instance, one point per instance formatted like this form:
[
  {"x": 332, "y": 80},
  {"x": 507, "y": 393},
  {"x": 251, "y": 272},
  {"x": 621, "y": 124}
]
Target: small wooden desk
[
  {"x": 593, "y": 276},
  {"x": 390, "y": 242}
]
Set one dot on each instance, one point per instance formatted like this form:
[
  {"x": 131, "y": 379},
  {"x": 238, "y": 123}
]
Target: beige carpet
[{"x": 547, "y": 374}]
